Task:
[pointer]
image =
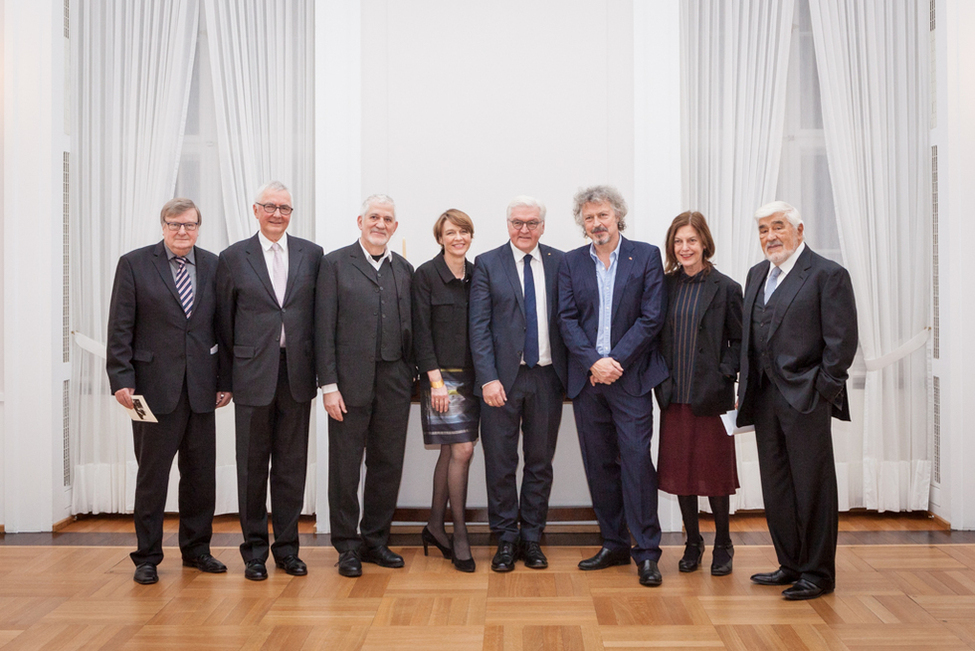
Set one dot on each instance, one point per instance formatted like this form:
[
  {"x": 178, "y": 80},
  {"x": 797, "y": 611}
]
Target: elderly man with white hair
[
  {"x": 520, "y": 369},
  {"x": 799, "y": 337}
]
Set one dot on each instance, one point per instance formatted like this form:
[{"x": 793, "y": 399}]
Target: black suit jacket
[
  {"x": 348, "y": 321},
  {"x": 497, "y": 316},
  {"x": 152, "y": 346},
  {"x": 718, "y": 354},
  {"x": 813, "y": 336},
  {"x": 639, "y": 305},
  {"x": 249, "y": 320}
]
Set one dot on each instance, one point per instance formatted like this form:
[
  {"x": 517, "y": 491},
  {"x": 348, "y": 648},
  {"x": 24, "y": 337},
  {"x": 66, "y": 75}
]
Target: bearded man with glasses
[
  {"x": 266, "y": 321},
  {"x": 520, "y": 367}
]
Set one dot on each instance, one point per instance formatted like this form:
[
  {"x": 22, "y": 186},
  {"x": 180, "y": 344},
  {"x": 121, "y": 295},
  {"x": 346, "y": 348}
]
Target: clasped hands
[{"x": 605, "y": 371}]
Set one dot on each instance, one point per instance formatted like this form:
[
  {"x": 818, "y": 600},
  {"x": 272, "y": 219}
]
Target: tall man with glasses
[
  {"x": 266, "y": 319},
  {"x": 162, "y": 345},
  {"x": 520, "y": 364},
  {"x": 366, "y": 369}
]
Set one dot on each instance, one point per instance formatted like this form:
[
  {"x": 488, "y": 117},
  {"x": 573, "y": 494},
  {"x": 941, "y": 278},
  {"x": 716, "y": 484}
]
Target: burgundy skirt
[{"x": 696, "y": 455}]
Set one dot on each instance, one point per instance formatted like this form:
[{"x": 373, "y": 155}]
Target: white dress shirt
[{"x": 541, "y": 300}]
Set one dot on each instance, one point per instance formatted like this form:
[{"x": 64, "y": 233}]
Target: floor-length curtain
[
  {"x": 873, "y": 63},
  {"x": 261, "y": 58},
  {"x": 734, "y": 63},
  {"x": 132, "y": 83}
]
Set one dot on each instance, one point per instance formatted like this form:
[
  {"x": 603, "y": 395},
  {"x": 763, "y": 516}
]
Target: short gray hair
[
  {"x": 524, "y": 201},
  {"x": 777, "y": 207},
  {"x": 377, "y": 200},
  {"x": 176, "y": 207},
  {"x": 599, "y": 194},
  {"x": 272, "y": 186}
]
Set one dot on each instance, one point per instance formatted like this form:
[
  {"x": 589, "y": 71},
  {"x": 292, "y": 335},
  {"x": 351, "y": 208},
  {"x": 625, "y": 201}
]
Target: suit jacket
[
  {"x": 348, "y": 321},
  {"x": 812, "y": 336},
  {"x": 497, "y": 316},
  {"x": 718, "y": 355},
  {"x": 249, "y": 320},
  {"x": 152, "y": 346},
  {"x": 639, "y": 306}
]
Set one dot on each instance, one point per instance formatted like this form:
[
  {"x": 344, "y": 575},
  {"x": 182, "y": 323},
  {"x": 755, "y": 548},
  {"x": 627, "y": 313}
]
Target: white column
[
  {"x": 657, "y": 156},
  {"x": 338, "y": 169},
  {"x": 33, "y": 370},
  {"x": 956, "y": 155}
]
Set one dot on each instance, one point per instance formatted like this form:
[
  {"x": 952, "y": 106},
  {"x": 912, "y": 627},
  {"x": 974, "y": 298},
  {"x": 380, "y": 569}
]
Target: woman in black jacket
[
  {"x": 701, "y": 342},
  {"x": 450, "y": 412}
]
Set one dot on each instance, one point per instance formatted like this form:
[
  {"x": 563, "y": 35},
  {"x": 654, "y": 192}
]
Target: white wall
[
  {"x": 466, "y": 105},
  {"x": 955, "y": 137},
  {"x": 33, "y": 141}
]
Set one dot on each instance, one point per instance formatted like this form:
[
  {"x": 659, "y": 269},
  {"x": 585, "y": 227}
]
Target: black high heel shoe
[
  {"x": 464, "y": 565},
  {"x": 721, "y": 563},
  {"x": 693, "y": 553},
  {"x": 429, "y": 539}
]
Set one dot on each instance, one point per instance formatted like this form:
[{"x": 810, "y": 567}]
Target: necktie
[
  {"x": 531, "y": 316},
  {"x": 183, "y": 286},
  {"x": 279, "y": 278},
  {"x": 773, "y": 280}
]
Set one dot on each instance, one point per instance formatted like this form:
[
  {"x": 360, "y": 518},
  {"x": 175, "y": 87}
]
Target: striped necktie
[{"x": 183, "y": 286}]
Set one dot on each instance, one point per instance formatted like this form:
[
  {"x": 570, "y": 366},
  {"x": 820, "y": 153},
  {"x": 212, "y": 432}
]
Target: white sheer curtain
[
  {"x": 734, "y": 64},
  {"x": 246, "y": 108},
  {"x": 129, "y": 125},
  {"x": 873, "y": 63}
]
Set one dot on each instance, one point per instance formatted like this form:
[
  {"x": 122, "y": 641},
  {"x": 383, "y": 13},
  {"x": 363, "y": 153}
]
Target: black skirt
[{"x": 459, "y": 424}]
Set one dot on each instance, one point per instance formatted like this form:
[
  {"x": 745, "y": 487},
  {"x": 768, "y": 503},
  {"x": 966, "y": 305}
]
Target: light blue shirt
[{"x": 606, "y": 281}]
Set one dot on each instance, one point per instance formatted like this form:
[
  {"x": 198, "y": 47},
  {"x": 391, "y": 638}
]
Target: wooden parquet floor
[{"x": 889, "y": 596}]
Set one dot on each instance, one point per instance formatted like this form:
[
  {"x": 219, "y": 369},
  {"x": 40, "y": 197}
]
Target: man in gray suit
[
  {"x": 266, "y": 319},
  {"x": 364, "y": 351},
  {"x": 161, "y": 342}
]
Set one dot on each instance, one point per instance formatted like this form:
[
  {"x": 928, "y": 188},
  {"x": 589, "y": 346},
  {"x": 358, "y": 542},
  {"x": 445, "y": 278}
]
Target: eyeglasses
[
  {"x": 270, "y": 208},
  {"x": 175, "y": 226},
  {"x": 517, "y": 224}
]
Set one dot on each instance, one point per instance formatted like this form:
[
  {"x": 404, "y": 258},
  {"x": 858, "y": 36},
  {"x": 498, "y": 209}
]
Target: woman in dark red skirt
[{"x": 701, "y": 341}]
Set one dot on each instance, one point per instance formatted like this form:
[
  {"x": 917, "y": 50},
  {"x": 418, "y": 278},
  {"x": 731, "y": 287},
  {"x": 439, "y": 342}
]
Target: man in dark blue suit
[
  {"x": 519, "y": 361},
  {"x": 612, "y": 305},
  {"x": 162, "y": 344}
]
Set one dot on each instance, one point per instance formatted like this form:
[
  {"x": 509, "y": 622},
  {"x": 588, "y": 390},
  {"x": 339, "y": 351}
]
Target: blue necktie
[
  {"x": 184, "y": 286},
  {"x": 531, "y": 316},
  {"x": 773, "y": 280}
]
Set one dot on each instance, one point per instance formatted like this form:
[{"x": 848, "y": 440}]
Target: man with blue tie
[
  {"x": 612, "y": 306},
  {"x": 519, "y": 362},
  {"x": 162, "y": 345}
]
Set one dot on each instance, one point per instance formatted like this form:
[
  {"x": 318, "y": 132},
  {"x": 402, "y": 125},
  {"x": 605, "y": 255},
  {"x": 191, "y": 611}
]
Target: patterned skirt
[{"x": 459, "y": 424}]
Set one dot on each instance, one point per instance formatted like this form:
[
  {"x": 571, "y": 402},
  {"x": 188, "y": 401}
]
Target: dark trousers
[
  {"x": 379, "y": 430},
  {"x": 614, "y": 436},
  {"x": 795, "y": 456},
  {"x": 193, "y": 435},
  {"x": 534, "y": 407},
  {"x": 277, "y": 434}
]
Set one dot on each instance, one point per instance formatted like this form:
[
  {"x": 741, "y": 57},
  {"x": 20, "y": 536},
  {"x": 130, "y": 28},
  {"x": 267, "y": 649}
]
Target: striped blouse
[{"x": 684, "y": 317}]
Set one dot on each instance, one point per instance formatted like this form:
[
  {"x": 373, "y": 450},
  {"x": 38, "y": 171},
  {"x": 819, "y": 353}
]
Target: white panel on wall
[{"x": 466, "y": 105}]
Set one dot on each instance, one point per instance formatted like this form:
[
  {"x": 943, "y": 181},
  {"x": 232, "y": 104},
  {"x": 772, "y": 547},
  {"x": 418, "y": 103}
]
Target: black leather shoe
[
  {"x": 721, "y": 559},
  {"x": 205, "y": 563},
  {"x": 649, "y": 574},
  {"x": 693, "y": 553},
  {"x": 803, "y": 589},
  {"x": 780, "y": 576},
  {"x": 255, "y": 570},
  {"x": 146, "y": 574},
  {"x": 531, "y": 553},
  {"x": 349, "y": 564},
  {"x": 605, "y": 558},
  {"x": 292, "y": 565},
  {"x": 504, "y": 559},
  {"x": 382, "y": 556}
]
